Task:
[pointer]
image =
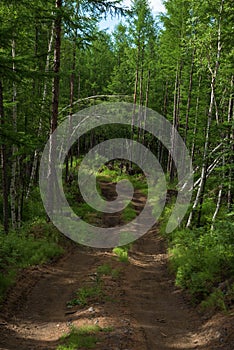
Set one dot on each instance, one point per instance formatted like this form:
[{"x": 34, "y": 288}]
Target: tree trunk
[
  {"x": 72, "y": 81},
  {"x": 163, "y": 158},
  {"x": 135, "y": 97},
  {"x": 78, "y": 141},
  {"x": 44, "y": 95},
  {"x": 219, "y": 199},
  {"x": 4, "y": 166},
  {"x": 217, "y": 206},
  {"x": 201, "y": 188},
  {"x": 20, "y": 195},
  {"x": 140, "y": 94},
  {"x": 176, "y": 112},
  {"x": 56, "y": 69},
  {"x": 13, "y": 189},
  {"x": 231, "y": 138},
  {"x": 196, "y": 119},
  {"x": 189, "y": 98},
  {"x": 146, "y": 105},
  {"x": 200, "y": 191},
  {"x": 55, "y": 104}
]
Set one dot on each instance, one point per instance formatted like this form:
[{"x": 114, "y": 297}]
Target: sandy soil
[{"x": 143, "y": 307}]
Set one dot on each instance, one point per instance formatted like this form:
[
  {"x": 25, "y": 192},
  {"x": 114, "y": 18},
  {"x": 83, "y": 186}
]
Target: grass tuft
[
  {"x": 85, "y": 295},
  {"x": 122, "y": 253},
  {"x": 78, "y": 338}
]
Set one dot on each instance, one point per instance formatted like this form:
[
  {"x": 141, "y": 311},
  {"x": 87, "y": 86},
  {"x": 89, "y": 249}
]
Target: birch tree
[{"x": 213, "y": 69}]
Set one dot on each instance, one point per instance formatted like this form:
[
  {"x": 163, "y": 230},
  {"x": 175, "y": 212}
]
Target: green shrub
[
  {"x": 20, "y": 250},
  {"x": 33, "y": 207},
  {"x": 6, "y": 280},
  {"x": 122, "y": 253},
  {"x": 202, "y": 258},
  {"x": 214, "y": 302}
]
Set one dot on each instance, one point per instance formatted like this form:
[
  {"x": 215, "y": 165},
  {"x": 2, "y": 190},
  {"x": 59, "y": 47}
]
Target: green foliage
[
  {"x": 88, "y": 294},
  {"x": 128, "y": 213},
  {"x": 115, "y": 273},
  {"x": 85, "y": 295},
  {"x": 122, "y": 253},
  {"x": 114, "y": 175},
  {"x": 202, "y": 258},
  {"x": 171, "y": 68},
  {"x": 33, "y": 207},
  {"x": 78, "y": 338},
  {"x": 83, "y": 210},
  {"x": 6, "y": 280},
  {"x": 20, "y": 250},
  {"x": 139, "y": 183},
  {"x": 107, "y": 270},
  {"x": 163, "y": 220},
  {"x": 83, "y": 337},
  {"x": 104, "y": 269},
  {"x": 214, "y": 302},
  {"x": 80, "y": 208}
]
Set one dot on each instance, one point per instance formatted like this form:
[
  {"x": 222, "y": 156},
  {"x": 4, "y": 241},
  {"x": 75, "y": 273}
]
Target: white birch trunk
[
  {"x": 45, "y": 89},
  {"x": 219, "y": 199},
  {"x": 209, "y": 120},
  {"x": 196, "y": 119},
  {"x": 231, "y": 137},
  {"x": 218, "y": 204},
  {"x": 217, "y": 207}
]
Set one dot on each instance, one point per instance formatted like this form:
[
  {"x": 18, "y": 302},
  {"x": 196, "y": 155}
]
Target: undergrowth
[
  {"x": 129, "y": 213},
  {"x": 114, "y": 175},
  {"x": 122, "y": 253},
  {"x": 202, "y": 259},
  {"x": 36, "y": 245}
]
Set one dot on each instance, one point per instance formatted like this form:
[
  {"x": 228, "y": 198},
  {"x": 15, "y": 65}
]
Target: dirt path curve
[{"x": 144, "y": 309}]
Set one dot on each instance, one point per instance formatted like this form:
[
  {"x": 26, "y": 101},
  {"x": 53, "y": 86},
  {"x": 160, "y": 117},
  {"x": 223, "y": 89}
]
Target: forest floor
[{"x": 141, "y": 307}]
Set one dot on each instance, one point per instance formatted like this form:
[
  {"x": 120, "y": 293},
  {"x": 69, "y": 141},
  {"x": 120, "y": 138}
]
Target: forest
[{"x": 55, "y": 61}]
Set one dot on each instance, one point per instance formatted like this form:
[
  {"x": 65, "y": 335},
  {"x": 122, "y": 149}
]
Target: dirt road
[{"x": 143, "y": 308}]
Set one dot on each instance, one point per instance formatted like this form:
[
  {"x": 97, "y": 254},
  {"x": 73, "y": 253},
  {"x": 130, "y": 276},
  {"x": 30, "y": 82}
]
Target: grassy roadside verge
[
  {"x": 203, "y": 262},
  {"x": 28, "y": 247}
]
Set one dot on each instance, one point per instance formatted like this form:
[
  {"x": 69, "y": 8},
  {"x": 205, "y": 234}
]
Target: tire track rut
[{"x": 143, "y": 306}]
